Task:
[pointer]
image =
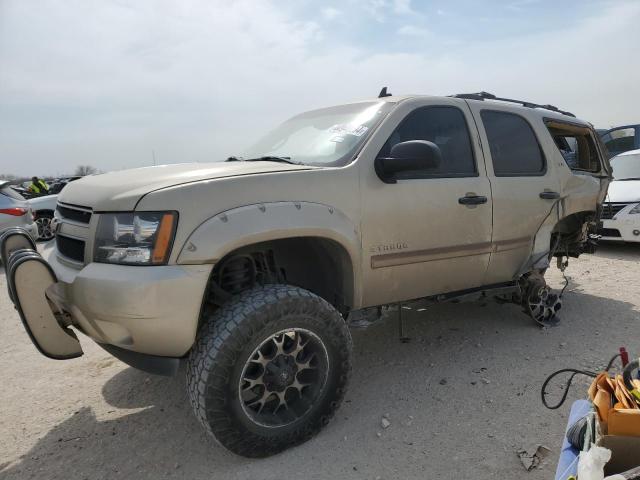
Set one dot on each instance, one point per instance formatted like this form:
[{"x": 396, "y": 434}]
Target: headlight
[
  {"x": 138, "y": 238},
  {"x": 635, "y": 209}
]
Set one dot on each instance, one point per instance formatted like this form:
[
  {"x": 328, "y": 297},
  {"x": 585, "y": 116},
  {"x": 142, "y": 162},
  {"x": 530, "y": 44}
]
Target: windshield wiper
[
  {"x": 266, "y": 158},
  {"x": 272, "y": 158},
  {"x": 624, "y": 179}
]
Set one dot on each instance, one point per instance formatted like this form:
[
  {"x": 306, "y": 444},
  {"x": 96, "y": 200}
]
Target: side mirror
[{"x": 407, "y": 156}]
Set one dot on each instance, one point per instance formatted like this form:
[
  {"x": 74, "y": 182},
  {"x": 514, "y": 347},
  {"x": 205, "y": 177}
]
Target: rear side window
[
  {"x": 577, "y": 146},
  {"x": 515, "y": 150},
  {"x": 447, "y": 128}
]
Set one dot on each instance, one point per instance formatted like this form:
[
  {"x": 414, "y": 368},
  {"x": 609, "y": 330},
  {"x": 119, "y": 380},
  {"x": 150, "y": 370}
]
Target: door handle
[
  {"x": 472, "y": 200},
  {"x": 549, "y": 195}
]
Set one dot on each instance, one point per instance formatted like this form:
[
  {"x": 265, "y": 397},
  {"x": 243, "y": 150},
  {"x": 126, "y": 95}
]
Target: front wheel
[{"x": 269, "y": 369}]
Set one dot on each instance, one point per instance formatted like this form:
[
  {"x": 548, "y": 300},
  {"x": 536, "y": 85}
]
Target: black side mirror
[{"x": 407, "y": 156}]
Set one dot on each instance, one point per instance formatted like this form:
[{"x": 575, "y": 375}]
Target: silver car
[{"x": 15, "y": 211}]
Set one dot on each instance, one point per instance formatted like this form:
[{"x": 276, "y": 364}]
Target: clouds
[
  {"x": 330, "y": 13},
  {"x": 106, "y": 82},
  {"x": 413, "y": 31}
]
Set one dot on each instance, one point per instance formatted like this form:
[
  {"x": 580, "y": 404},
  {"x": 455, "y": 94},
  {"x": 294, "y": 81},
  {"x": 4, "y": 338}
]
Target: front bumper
[
  {"x": 622, "y": 228},
  {"x": 28, "y": 278},
  {"x": 149, "y": 310}
]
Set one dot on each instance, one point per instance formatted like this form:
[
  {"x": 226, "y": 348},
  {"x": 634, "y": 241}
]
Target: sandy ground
[{"x": 462, "y": 397}]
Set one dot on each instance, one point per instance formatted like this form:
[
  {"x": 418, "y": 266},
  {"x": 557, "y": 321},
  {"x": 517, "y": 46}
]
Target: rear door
[{"x": 523, "y": 186}]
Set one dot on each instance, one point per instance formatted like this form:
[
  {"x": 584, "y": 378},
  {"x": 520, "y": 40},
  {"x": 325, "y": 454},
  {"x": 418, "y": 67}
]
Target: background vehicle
[
  {"x": 15, "y": 211},
  {"x": 249, "y": 268},
  {"x": 58, "y": 184},
  {"x": 621, "y": 139},
  {"x": 43, "y": 208},
  {"x": 621, "y": 210}
]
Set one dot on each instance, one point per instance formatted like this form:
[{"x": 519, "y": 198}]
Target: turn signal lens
[{"x": 163, "y": 240}]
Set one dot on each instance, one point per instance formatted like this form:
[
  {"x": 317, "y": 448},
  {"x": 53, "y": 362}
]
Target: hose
[{"x": 574, "y": 372}]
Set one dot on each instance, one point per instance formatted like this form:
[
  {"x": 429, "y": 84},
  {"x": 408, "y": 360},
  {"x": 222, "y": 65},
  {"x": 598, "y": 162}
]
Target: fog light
[{"x": 636, "y": 232}]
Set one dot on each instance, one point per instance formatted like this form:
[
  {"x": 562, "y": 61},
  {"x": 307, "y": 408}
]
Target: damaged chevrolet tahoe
[{"x": 250, "y": 269}]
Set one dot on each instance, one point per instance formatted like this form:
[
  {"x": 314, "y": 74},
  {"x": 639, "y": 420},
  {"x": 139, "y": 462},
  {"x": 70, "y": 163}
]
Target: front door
[{"x": 429, "y": 233}]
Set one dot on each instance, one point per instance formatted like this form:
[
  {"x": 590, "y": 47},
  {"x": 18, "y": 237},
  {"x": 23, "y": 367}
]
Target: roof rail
[{"x": 489, "y": 96}]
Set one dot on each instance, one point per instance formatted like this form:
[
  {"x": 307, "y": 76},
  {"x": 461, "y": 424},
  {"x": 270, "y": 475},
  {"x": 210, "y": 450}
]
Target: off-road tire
[{"x": 223, "y": 346}]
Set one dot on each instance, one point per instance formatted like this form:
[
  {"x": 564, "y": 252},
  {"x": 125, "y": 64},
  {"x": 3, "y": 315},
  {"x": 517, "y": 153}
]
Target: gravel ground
[{"x": 461, "y": 398}]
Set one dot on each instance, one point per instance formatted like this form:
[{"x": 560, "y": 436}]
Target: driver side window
[{"x": 447, "y": 128}]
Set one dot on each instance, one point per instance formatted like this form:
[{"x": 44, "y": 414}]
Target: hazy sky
[{"x": 105, "y": 83}]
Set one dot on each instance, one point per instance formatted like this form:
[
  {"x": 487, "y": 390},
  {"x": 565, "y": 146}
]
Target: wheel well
[
  {"x": 571, "y": 234},
  {"x": 38, "y": 212},
  {"x": 317, "y": 264}
]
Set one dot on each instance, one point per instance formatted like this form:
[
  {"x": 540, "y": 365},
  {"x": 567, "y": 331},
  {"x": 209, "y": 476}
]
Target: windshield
[
  {"x": 327, "y": 137},
  {"x": 626, "y": 167}
]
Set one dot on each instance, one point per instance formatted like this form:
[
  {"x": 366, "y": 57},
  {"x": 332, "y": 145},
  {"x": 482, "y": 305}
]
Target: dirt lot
[{"x": 462, "y": 397}]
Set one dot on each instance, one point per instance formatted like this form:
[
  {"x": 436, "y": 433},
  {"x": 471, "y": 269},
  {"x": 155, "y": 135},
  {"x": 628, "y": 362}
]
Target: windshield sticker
[{"x": 355, "y": 130}]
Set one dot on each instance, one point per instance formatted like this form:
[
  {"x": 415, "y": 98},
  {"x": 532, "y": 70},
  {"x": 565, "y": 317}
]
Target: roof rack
[{"x": 489, "y": 96}]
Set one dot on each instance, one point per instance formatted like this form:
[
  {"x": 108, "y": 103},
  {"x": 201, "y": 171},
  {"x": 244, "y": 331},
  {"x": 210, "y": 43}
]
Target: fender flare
[{"x": 250, "y": 224}]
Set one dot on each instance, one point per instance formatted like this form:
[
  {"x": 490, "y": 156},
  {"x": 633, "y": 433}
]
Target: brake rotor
[{"x": 541, "y": 304}]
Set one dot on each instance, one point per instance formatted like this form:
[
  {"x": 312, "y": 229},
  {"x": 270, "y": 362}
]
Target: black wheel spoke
[
  {"x": 283, "y": 377},
  {"x": 268, "y": 368}
]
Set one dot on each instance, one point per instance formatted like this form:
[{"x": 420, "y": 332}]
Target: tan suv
[{"x": 248, "y": 269}]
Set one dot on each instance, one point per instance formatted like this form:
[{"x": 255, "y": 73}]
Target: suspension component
[{"x": 539, "y": 302}]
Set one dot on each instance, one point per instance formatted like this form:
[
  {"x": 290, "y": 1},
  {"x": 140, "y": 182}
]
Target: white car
[
  {"x": 621, "y": 210},
  {"x": 43, "y": 209}
]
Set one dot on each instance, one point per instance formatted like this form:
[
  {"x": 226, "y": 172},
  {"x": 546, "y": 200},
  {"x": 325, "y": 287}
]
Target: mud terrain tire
[{"x": 237, "y": 338}]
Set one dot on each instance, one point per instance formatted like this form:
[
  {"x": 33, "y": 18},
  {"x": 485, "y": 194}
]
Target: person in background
[{"x": 38, "y": 186}]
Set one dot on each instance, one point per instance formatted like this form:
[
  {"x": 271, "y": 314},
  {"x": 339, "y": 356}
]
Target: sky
[{"x": 115, "y": 83}]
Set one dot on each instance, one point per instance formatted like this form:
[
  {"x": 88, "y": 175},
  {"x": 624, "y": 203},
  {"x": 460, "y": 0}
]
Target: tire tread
[{"x": 213, "y": 354}]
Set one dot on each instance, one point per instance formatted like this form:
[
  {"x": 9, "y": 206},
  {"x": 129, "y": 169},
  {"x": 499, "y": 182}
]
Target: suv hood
[
  {"x": 121, "y": 191},
  {"x": 624, "y": 191}
]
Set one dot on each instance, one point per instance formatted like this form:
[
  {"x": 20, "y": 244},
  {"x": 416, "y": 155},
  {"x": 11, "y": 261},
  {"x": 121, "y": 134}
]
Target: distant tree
[{"x": 83, "y": 170}]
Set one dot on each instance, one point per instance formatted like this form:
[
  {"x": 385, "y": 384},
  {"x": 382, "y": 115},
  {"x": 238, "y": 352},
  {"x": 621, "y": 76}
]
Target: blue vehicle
[{"x": 621, "y": 139}]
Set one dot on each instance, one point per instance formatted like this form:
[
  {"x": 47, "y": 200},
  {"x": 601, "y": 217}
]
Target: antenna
[
  {"x": 383, "y": 93},
  {"x": 153, "y": 153}
]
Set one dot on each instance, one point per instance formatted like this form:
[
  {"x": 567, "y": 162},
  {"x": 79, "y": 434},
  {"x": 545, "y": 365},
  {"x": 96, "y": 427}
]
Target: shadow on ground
[
  {"x": 462, "y": 397},
  {"x": 619, "y": 251}
]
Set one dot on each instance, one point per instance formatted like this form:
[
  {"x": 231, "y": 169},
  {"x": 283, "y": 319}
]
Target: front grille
[
  {"x": 70, "y": 248},
  {"x": 73, "y": 214},
  {"x": 609, "y": 232},
  {"x": 609, "y": 210}
]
